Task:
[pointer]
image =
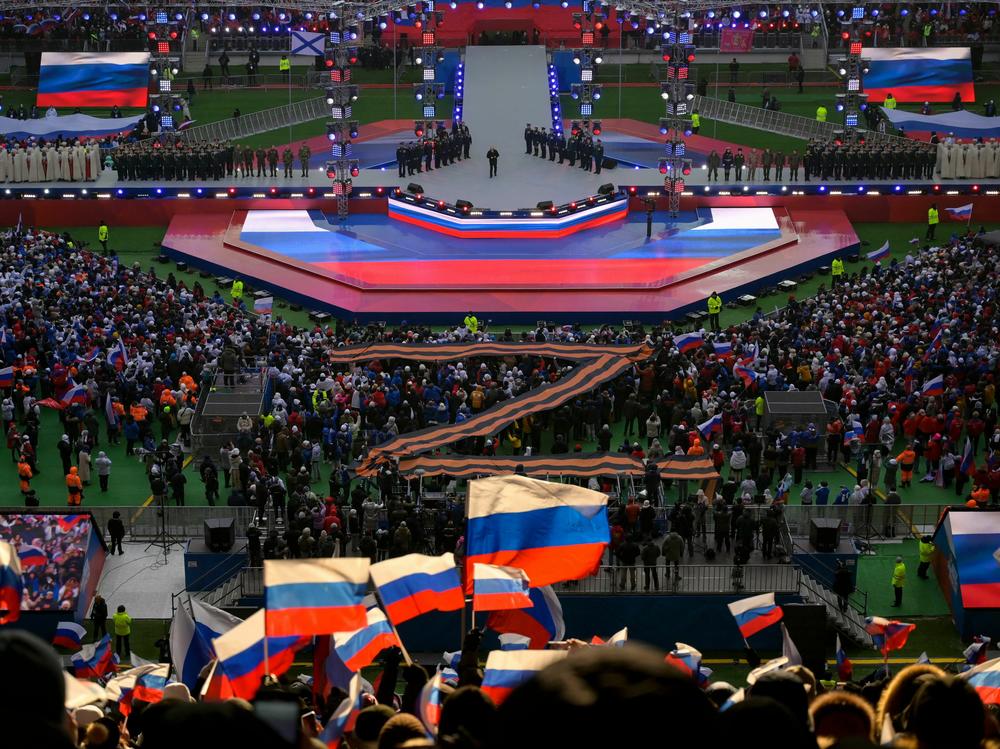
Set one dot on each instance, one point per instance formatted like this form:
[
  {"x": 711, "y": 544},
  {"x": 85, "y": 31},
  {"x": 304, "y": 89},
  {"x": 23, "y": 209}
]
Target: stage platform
[{"x": 376, "y": 268}]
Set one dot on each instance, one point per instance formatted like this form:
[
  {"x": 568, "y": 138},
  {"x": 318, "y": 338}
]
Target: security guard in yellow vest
[
  {"x": 102, "y": 236},
  {"x": 821, "y": 113},
  {"x": 932, "y": 220},
  {"x": 237, "y": 291},
  {"x": 758, "y": 409},
  {"x": 898, "y": 581},
  {"x": 285, "y": 65},
  {"x": 471, "y": 323},
  {"x": 836, "y": 270},
  {"x": 714, "y": 308},
  {"x": 890, "y": 101},
  {"x": 926, "y": 549},
  {"x": 123, "y": 629},
  {"x": 695, "y": 122}
]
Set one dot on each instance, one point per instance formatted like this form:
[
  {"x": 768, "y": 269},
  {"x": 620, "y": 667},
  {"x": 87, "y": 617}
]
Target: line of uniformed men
[
  {"x": 204, "y": 161},
  {"x": 443, "y": 149},
  {"x": 549, "y": 144}
]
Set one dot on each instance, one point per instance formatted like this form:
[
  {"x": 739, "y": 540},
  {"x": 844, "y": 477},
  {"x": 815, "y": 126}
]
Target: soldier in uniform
[
  {"x": 561, "y": 147},
  {"x": 230, "y": 158},
  {"x": 428, "y": 151},
  {"x": 535, "y": 138},
  {"x": 400, "y": 158},
  {"x": 553, "y": 144},
  {"x": 766, "y": 161},
  {"x": 738, "y": 161},
  {"x": 779, "y": 165},
  {"x": 528, "y": 138},
  {"x": 793, "y": 165},
  {"x": 272, "y": 160},
  {"x": 288, "y": 159},
  {"x": 466, "y": 140},
  {"x": 261, "y": 156}
]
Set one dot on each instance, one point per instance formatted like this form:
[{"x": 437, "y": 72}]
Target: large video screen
[{"x": 53, "y": 549}]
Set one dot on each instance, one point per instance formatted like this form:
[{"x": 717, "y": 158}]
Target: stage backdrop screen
[
  {"x": 93, "y": 79},
  {"x": 917, "y": 75},
  {"x": 61, "y": 559}
]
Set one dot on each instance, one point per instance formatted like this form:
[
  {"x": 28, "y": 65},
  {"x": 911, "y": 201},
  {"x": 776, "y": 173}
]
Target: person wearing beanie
[{"x": 368, "y": 725}]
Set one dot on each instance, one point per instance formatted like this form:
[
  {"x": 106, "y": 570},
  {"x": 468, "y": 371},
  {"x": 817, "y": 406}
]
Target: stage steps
[{"x": 849, "y": 623}]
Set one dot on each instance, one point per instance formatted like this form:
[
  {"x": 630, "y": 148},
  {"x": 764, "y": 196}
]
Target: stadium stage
[{"x": 378, "y": 267}]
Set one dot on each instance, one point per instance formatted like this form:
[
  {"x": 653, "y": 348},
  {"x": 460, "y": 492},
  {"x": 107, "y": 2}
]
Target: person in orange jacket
[
  {"x": 906, "y": 460},
  {"x": 696, "y": 448},
  {"x": 981, "y": 496},
  {"x": 74, "y": 488},
  {"x": 25, "y": 474},
  {"x": 139, "y": 413}
]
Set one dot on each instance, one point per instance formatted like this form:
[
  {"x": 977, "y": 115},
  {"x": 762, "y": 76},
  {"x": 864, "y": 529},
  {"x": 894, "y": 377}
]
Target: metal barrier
[
  {"x": 145, "y": 523},
  {"x": 253, "y": 123},
  {"x": 692, "y": 578}
]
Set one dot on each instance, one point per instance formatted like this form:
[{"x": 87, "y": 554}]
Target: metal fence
[
  {"x": 145, "y": 523},
  {"x": 686, "y": 579},
  {"x": 257, "y": 122}
]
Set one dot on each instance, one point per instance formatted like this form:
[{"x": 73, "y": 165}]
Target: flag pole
[{"x": 402, "y": 647}]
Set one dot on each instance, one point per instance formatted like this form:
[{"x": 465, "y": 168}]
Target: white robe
[
  {"x": 18, "y": 172},
  {"x": 51, "y": 164},
  {"x": 992, "y": 163},
  {"x": 8, "y": 166},
  {"x": 941, "y": 163},
  {"x": 961, "y": 163},
  {"x": 4, "y": 175},
  {"x": 95, "y": 161},
  {"x": 34, "y": 164},
  {"x": 79, "y": 164}
]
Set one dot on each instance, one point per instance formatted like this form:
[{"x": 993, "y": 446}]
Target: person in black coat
[
  {"x": 99, "y": 616},
  {"x": 493, "y": 157},
  {"x": 116, "y": 532},
  {"x": 843, "y": 585}
]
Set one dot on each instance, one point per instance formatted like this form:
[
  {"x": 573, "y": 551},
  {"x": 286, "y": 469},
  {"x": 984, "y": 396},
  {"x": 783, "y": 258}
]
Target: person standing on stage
[
  {"x": 528, "y": 138},
  {"x": 493, "y": 156}
]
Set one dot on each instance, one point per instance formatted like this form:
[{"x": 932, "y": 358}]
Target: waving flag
[
  {"x": 342, "y": 719},
  {"x": 415, "y": 584},
  {"x": 618, "y": 639},
  {"x": 264, "y": 305},
  {"x": 977, "y": 651},
  {"x": 149, "y": 686},
  {"x": 314, "y": 596},
  {"x": 358, "y": 649},
  {"x": 686, "y": 342},
  {"x": 508, "y": 669},
  {"x": 755, "y": 613},
  {"x": 968, "y": 466},
  {"x": 852, "y": 434},
  {"x": 7, "y": 377},
  {"x": 93, "y": 79},
  {"x": 687, "y": 660},
  {"x": 241, "y": 654},
  {"x": 77, "y": 394},
  {"x": 497, "y": 588},
  {"x": 845, "y": 669},
  {"x": 961, "y": 213},
  {"x": 554, "y": 532},
  {"x": 429, "y": 706},
  {"x": 31, "y": 556},
  {"x": 888, "y": 634},
  {"x": 542, "y": 623},
  {"x": 10, "y": 584},
  {"x": 985, "y": 679},
  {"x": 452, "y": 658},
  {"x": 742, "y": 370},
  {"x": 69, "y": 635},
  {"x": 89, "y": 357},
  {"x": 121, "y": 687},
  {"x": 710, "y": 427},
  {"x": 881, "y": 253},
  {"x": 933, "y": 387},
  {"x": 95, "y": 661},
  {"x": 69, "y": 522},
  {"x": 118, "y": 355},
  {"x": 513, "y": 641},
  {"x": 723, "y": 348},
  {"x": 109, "y": 411}
]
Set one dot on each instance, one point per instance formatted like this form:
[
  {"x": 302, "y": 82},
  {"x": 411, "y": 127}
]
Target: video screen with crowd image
[{"x": 61, "y": 559}]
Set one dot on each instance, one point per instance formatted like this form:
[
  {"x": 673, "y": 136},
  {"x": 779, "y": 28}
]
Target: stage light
[
  {"x": 232, "y": 190},
  {"x": 822, "y": 188},
  {"x": 508, "y": 5},
  {"x": 898, "y": 188},
  {"x": 273, "y": 191},
  {"x": 479, "y": 5},
  {"x": 598, "y": 59},
  {"x": 736, "y": 14},
  {"x": 232, "y": 16}
]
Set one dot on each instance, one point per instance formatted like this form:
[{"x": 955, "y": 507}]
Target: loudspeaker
[
  {"x": 606, "y": 189},
  {"x": 806, "y": 624},
  {"x": 220, "y": 533},
  {"x": 544, "y": 205},
  {"x": 824, "y": 534},
  {"x": 608, "y": 163},
  {"x": 463, "y": 205},
  {"x": 415, "y": 189}
]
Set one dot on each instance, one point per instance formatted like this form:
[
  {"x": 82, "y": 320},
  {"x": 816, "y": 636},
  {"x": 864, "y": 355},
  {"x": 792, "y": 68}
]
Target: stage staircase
[{"x": 219, "y": 409}]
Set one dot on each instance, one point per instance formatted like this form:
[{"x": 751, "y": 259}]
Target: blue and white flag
[{"x": 309, "y": 43}]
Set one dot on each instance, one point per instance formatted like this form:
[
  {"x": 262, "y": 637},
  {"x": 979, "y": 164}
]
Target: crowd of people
[
  {"x": 957, "y": 159},
  {"x": 915, "y": 25},
  {"x": 582, "y": 145},
  {"x": 180, "y": 160},
  {"x": 57, "y": 160},
  {"x": 441, "y": 149},
  {"x": 52, "y": 559}
]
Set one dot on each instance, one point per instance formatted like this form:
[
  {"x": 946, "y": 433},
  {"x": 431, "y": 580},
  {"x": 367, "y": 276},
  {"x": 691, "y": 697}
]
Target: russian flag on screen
[
  {"x": 241, "y": 654},
  {"x": 985, "y": 679},
  {"x": 541, "y": 624},
  {"x": 93, "y": 79},
  {"x": 755, "y": 613},
  {"x": 508, "y": 669},
  {"x": 314, "y": 596},
  {"x": 688, "y": 342},
  {"x": 919, "y": 74},
  {"x": 554, "y": 532},
  {"x": 888, "y": 634},
  {"x": 69, "y": 635},
  {"x": 933, "y": 387},
  {"x": 496, "y": 587},
  {"x": 94, "y": 661},
  {"x": 10, "y": 584},
  {"x": 414, "y": 584},
  {"x": 31, "y": 556},
  {"x": 69, "y": 522},
  {"x": 358, "y": 649}
]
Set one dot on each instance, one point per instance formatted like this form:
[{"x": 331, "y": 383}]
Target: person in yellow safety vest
[
  {"x": 821, "y": 113},
  {"x": 758, "y": 409},
  {"x": 195, "y": 36},
  {"x": 932, "y": 220},
  {"x": 714, "y": 308},
  {"x": 472, "y": 323},
  {"x": 237, "y": 291},
  {"x": 102, "y": 235},
  {"x": 898, "y": 581},
  {"x": 836, "y": 270},
  {"x": 890, "y": 101},
  {"x": 926, "y": 32},
  {"x": 284, "y": 64},
  {"x": 695, "y": 122},
  {"x": 318, "y": 396},
  {"x": 123, "y": 629},
  {"x": 926, "y": 552}
]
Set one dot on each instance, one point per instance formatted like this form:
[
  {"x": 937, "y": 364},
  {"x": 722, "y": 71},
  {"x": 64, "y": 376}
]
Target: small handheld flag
[
  {"x": 264, "y": 305},
  {"x": 241, "y": 652},
  {"x": 342, "y": 719},
  {"x": 879, "y": 254},
  {"x": 69, "y": 635},
  {"x": 618, "y": 639},
  {"x": 429, "y": 708},
  {"x": 742, "y": 370},
  {"x": 722, "y": 348},
  {"x": 755, "y": 613},
  {"x": 314, "y": 596},
  {"x": 933, "y": 387},
  {"x": 542, "y": 623},
  {"x": 507, "y": 670},
  {"x": 358, "y": 648},
  {"x": 31, "y": 556},
  {"x": 710, "y": 427},
  {"x": 95, "y": 661},
  {"x": 845, "y": 669},
  {"x": 512, "y": 641},
  {"x": 496, "y": 587},
  {"x": 687, "y": 660},
  {"x": 7, "y": 377},
  {"x": 686, "y": 342},
  {"x": 415, "y": 584},
  {"x": 977, "y": 651},
  {"x": 985, "y": 679},
  {"x": 888, "y": 634}
]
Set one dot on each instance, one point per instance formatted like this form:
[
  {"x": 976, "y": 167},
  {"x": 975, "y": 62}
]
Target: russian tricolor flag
[
  {"x": 118, "y": 355},
  {"x": 554, "y": 532},
  {"x": 342, "y": 719},
  {"x": 241, "y": 654},
  {"x": 688, "y": 342},
  {"x": 888, "y": 634},
  {"x": 918, "y": 74},
  {"x": 10, "y": 584},
  {"x": 618, "y": 639},
  {"x": 961, "y": 213},
  {"x": 93, "y": 79},
  {"x": 76, "y": 394},
  {"x": 968, "y": 466},
  {"x": 845, "y": 669},
  {"x": 710, "y": 427},
  {"x": 852, "y": 434},
  {"x": 95, "y": 661},
  {"x": 31, "y": 556},
  {"x": 687, "y": 660},
  {"x": 149, "y": 686},
  {"x": 881, "y": 253},
  {"x": 314, "y": 596},
  {"x": 496, "y": 588},
  {"x": 415, "y": 584},
  {"x": 7, "y": 377},
  {"x": 513, "y": 641},
  {"x": 976, "y": 652},
  {"x": 69, "y": 635},
  {"x": 985, "y": 679},
  {"x": 508, "y": 669},
  {"x": 358, "y": 649},
  {"x": 429, "y": 707},
  {"x": 264, "y": 305},
  {"x": 69, "y": 522},
  {"x": 744, "y": 372},
  {"x": 933, "y": 387},
  {"x": 755, "y": 613},
  {"x": 723, "y": 348},
  {"x": 541, "y": 624}
]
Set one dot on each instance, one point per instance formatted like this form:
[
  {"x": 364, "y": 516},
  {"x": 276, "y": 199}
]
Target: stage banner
[
  {"x": 919, "y": 74},
  {"x": 93, "y": 79},
  {"x": 736, "y": 40}
]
